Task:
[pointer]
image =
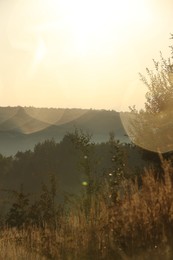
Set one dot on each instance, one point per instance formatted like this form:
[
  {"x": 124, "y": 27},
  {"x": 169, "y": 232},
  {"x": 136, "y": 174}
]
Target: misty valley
[{"x": 23, "y": 127}]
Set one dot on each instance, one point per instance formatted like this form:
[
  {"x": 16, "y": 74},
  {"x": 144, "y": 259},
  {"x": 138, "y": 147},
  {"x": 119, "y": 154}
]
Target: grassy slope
[{"x": 138, "y": 226}]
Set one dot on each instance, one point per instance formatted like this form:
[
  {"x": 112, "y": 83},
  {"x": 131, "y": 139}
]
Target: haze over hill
[{"x": 22, "y": 127}]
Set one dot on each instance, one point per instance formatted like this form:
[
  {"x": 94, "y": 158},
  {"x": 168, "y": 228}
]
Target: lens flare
[
  {"x": 151, "y": 126},
  {"x": 85, "y": 183},
  {"x": 39, "y": 54},
  {"x": 152, "y": 132},
  {"x": 30, "y": 120}
]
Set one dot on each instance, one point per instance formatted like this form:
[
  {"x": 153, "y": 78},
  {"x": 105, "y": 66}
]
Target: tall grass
[{"x": 137, "y": 225}]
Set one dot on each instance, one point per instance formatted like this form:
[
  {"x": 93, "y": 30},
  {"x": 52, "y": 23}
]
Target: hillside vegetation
[
  {"x": 117, "y": 219},
  {"x": 21, "y": 128},
  {"x": 113, "y": 210}
]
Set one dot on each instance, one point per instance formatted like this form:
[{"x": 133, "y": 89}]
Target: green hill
[{"x": 22, "y": 127}]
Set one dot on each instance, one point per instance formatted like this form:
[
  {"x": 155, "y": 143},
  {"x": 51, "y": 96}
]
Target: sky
[{"x": 80, "y": 54}]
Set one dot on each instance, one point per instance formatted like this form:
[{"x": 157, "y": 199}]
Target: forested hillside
[
  {"x": 23, "y": 127},
  {"x": 65, "y": 160}
]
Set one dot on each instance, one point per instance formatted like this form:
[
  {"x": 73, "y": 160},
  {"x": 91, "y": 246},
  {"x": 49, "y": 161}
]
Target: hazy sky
[{"x": 74, "y": 53}]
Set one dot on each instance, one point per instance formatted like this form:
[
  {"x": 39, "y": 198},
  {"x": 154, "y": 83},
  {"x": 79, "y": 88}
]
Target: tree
[
  {"x": 117, "y": 170},
  {"x": 18, "y": 213},
  {"x": 152, "y": 128},
  {"x": 43, "y": 211},
  {"x": 87, "y": 163}
]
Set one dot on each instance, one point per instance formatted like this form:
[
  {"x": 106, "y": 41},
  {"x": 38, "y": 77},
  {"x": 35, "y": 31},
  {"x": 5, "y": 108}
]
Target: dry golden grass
[
  {"x": 13, "y": 245},
  {"x": 139, "y": 225}
]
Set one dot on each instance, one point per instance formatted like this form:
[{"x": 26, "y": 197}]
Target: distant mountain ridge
[
  {"x": 22, "y": 122},
  {"x": 22, "y": 127}
]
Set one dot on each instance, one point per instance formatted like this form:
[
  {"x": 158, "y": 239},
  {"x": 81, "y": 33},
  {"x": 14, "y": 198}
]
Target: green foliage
[
  {"x": 43, "y": 211},
  {"x": 160, "y": 95},
  {"x": 138, "y": 226},
  {"x": 46, "y": 203},
  {"x": 45, "y": 156},
  {"x": 76, "y": 162},
  {"x": 17, "y": 215},
  {"x": 110, "y": 220},
  {"x": 151, "y": 127},
  {"x": 5, "y": 164},
  {"x": 76, "y": 159},
  {"x": 117, "y": 157},
  {"x": 82, "y": 142},
  {"x": 116, "y": 172}
]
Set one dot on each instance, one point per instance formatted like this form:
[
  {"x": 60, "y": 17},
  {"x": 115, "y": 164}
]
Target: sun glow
[
  {"x": 87, "y": 28},
  {"x": 40, "y": 52},
  {"x": 98, "y": 26},
  {"x": 90, "y": 27},
  {"x": 80, "y": 53}
]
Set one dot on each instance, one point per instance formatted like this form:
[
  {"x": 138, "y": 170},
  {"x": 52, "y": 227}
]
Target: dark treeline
[
  {"x": 76, "y": 164},
  {"x": 62, "y": 159}
]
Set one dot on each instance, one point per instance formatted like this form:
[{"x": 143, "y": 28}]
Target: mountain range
[{"x": 23, "y": 127}]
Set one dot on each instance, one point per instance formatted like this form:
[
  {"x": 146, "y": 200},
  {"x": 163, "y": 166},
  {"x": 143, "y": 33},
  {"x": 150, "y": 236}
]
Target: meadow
[{"x": 131, "y": 221}]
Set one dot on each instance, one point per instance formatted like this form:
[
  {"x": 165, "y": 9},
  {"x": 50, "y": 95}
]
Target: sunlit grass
[{"x": 138, "y": 225}]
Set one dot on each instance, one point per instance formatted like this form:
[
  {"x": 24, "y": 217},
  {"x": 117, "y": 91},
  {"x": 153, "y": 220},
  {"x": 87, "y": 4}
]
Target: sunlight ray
[{"x": 39, "y": 55}]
